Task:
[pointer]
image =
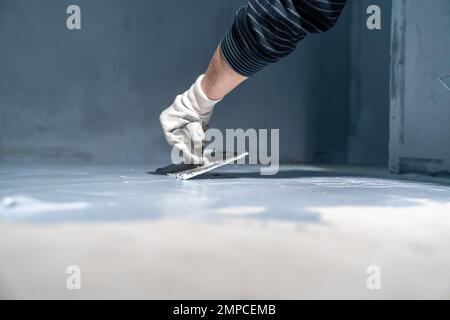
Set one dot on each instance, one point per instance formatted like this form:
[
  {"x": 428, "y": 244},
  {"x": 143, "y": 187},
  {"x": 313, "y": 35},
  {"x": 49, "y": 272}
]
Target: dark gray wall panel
[{"x": 420, "y": 103}]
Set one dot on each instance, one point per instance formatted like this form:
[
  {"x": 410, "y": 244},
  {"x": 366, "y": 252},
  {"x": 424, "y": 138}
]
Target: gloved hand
[{"x": 185, "y": 121}]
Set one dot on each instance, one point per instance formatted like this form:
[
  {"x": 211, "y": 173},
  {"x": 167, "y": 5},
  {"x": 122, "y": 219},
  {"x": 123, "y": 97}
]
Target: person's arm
[{"x": 263, "y": 32}]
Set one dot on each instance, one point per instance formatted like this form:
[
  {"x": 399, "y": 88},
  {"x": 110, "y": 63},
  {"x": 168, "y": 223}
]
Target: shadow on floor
[{"x": 299, "y": 173}]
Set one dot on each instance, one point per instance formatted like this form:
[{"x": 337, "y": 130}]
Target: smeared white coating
[
  {"x": 241, "y": 211},
  {"x": 23, "y": 205}
]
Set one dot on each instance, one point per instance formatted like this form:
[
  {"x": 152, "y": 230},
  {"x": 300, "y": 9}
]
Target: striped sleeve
[{"x": 264, "y": 31}]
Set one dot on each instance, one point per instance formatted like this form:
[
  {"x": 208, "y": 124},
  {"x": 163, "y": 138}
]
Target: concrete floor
[{"x": 309, "y": 232}]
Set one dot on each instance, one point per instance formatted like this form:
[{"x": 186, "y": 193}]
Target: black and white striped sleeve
[{"x": 265, "y": 31}]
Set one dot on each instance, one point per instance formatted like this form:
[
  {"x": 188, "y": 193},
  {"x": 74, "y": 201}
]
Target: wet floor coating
[{"x": 308, "y": 232}]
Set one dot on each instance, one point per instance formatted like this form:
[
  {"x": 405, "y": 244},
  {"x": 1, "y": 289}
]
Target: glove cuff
[{"x": 203, "y": 105}]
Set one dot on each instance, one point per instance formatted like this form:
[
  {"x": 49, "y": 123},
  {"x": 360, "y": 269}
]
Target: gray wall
[
  {"x": 369, "y": 85},
  {"x": 95, "y": 94},
  {"x": 420, "y": 104}
]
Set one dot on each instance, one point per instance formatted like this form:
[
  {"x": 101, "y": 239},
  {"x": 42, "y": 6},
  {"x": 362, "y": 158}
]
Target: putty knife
[{"x": 189, "y": 171}]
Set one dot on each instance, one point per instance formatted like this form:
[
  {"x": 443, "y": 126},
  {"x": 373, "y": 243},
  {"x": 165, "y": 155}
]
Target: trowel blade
[{"x": 186, "y": 172}]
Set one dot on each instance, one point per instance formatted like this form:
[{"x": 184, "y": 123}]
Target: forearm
[
  {"x": 265, "y": 31},
  {"x": 220, "y": 79}
]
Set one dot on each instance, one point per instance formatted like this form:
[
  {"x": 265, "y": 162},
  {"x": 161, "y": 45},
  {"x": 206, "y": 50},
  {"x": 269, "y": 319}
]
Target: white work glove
[{"x": 185, "y": 121}]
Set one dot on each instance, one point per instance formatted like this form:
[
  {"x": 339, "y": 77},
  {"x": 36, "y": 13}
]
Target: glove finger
[
  {"x": 188, "y": 156},
  {"x": 171, "y": 121},
  {"x": 194, "y": 132}
]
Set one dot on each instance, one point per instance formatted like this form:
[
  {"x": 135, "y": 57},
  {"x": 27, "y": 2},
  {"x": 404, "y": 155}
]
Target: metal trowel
[{"x": 189, "y": 171}]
